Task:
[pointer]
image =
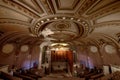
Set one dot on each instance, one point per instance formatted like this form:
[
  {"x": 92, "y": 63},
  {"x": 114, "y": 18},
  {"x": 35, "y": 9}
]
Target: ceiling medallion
[{"x": 60, "y": 26}]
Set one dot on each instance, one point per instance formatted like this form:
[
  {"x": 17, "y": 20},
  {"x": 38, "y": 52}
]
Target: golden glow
[
  {"x": 59, "y": 44},
  {"x": 61, "y": 48}
]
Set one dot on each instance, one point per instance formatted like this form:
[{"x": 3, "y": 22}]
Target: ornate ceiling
[{"x": 76, "y": 22}]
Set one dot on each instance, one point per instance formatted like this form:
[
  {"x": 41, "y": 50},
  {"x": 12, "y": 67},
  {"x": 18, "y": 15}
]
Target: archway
[{"x": 62, "y": 61}]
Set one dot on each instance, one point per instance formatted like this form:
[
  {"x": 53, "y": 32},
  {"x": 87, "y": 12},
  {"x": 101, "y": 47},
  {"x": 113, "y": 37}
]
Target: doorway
[{"x": 61, "y": 61}]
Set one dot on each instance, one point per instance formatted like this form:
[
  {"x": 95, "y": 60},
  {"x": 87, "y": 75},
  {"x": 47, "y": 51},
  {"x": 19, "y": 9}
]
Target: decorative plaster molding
[
  {"x": 106, "y": 11},
  {"x": 21, "y": 7},
  {"x": 108, "y": 23},
  {"x": 13, "y": 21}
]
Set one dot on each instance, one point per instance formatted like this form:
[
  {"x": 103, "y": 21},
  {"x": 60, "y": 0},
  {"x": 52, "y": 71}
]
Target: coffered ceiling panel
[
  {"x": 61, "y": 7},
  {"x": 13, "y": 27},
  {"x": 106, "y": 9},
  {"x": 111, "y": 17},
  {"x": 7, "y": 13},
  {"x": 31, "y": 4},
  {"x": 100, "y": 4},
  {"x": 87, "y": 4},
  {"x": 111, "y": 30},
  {"x": 71, "y": 4}
]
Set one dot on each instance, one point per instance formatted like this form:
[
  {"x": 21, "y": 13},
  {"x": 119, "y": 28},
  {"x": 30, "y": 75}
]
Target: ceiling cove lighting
[
  {"x": 59, "y": 44},
  {"x": 36, "y": 28}
]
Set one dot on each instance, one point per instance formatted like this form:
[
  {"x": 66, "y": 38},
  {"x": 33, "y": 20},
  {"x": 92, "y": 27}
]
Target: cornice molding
[
  {"x": 113, "y": 8},
  {"x": 107, "y": 23},
  {"x": 14, "y": 21},
  {"x": 22, "y": 7}
]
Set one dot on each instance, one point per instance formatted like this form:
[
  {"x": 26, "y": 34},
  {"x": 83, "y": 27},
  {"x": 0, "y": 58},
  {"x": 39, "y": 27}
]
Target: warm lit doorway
[{"x": 61, "y": 58}]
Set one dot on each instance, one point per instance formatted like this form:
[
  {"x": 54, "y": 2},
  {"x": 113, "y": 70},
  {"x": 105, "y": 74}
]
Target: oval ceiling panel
[
  {"x": 93, "y": 49},
  {"x": 110, "y": 49},
  {"x": 24, "y": 48},
  {"x": 7, "y": 48}
]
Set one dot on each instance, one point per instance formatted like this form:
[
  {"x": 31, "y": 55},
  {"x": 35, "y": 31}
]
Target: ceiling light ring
[
  {"x": 51, "y": 18},
  {"x": 38, "y": 25}
]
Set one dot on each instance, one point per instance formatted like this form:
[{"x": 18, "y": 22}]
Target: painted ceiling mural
[{"x": 78, "y": 22}]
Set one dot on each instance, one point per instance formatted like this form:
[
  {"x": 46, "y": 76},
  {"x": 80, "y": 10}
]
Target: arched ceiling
[{"x": 73, "y": 21}]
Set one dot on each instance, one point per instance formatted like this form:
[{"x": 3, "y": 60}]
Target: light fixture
[
  {"x": 72, "y": 18},
  {"x": 59, "y": 48},
  {"x": 55, "y": 18},
  {"x": 64, "y": 17},
  {"x": 78, "y": 20},
  {"x": 42, "y": 21},
  {"x": 48, "y": 19},
  {"x": 59, "y": 44}
]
